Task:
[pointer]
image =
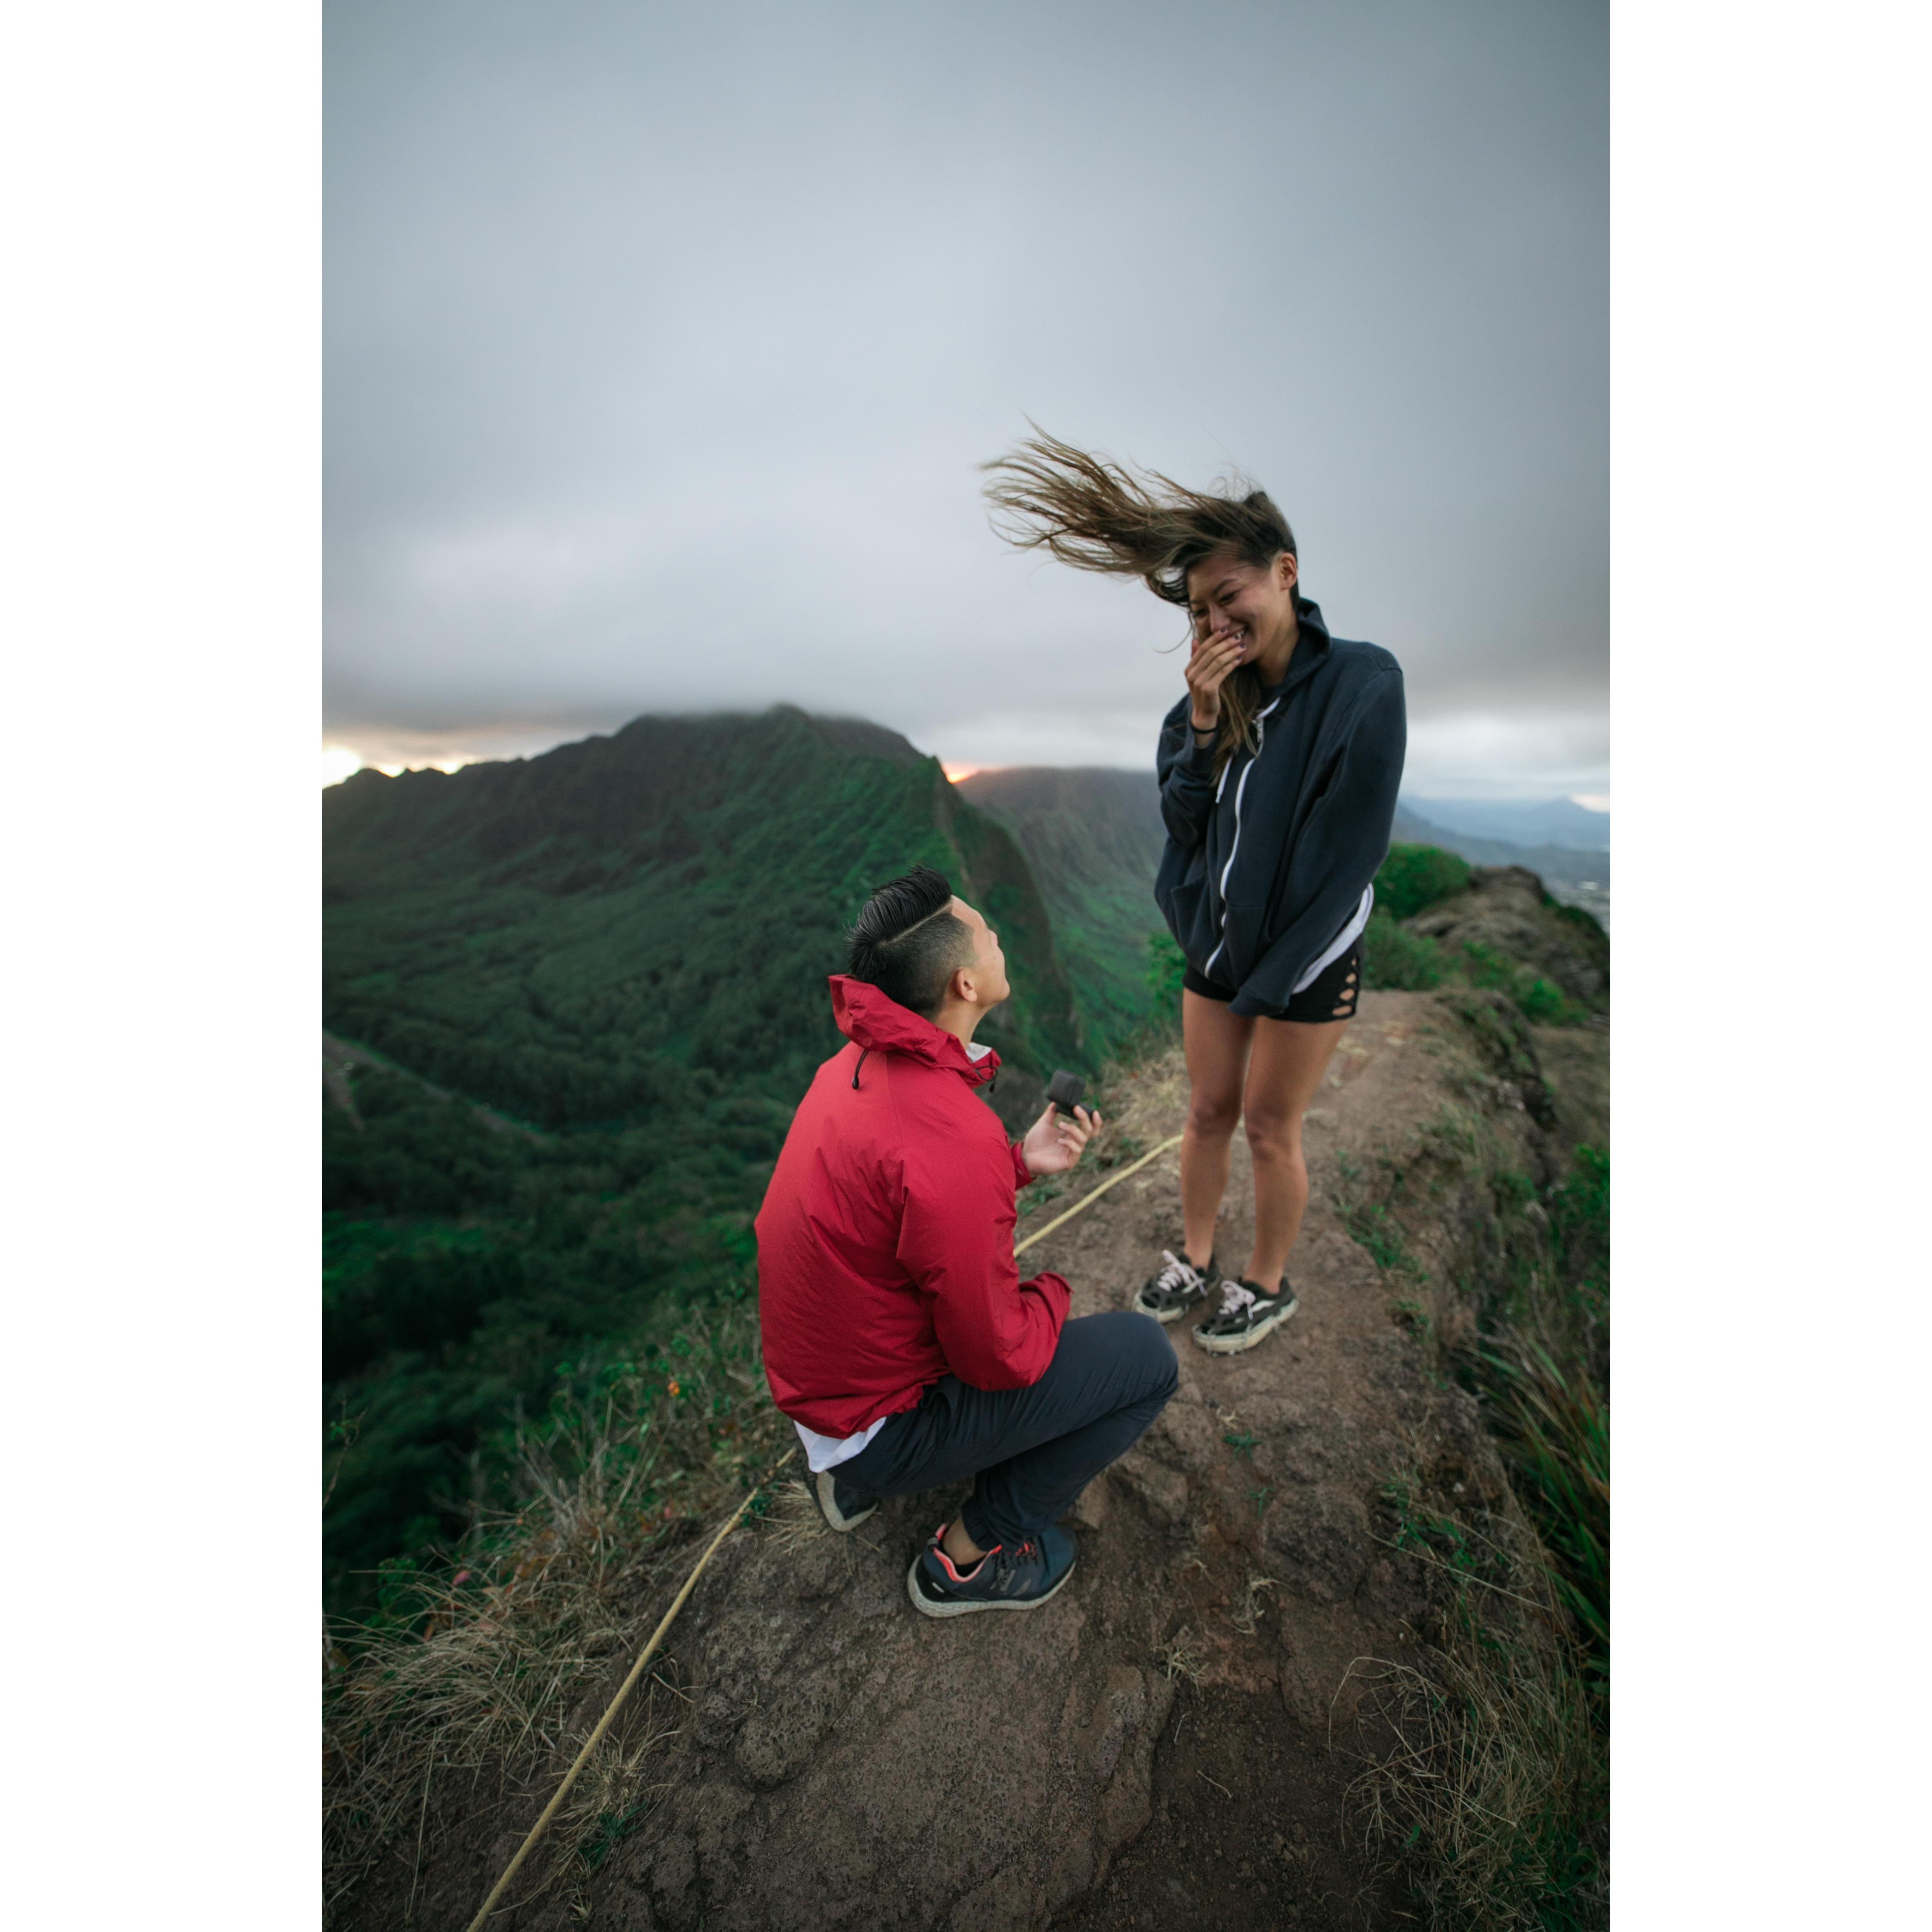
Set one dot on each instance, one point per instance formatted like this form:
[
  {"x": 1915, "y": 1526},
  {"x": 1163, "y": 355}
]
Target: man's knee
[
  {"x": 1140, "y": 1343},
  {"x": 1164, "y": 1372},
  {"x": 1124, "y": 1351}
]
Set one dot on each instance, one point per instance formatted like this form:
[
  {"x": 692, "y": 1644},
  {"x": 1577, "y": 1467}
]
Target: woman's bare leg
[
  {"x": 1217, "y": 1043},
  {"x": 1284, "y": 1072}
]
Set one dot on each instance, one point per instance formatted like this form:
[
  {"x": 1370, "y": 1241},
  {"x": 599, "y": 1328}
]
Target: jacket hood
[
  {"x": 877, "y": 1024},
  {"x": 1313, "y": 645}
]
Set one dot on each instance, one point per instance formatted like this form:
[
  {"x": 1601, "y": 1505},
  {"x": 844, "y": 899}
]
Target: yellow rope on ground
[
  {"x": 1088, "y": 1200},
  {"x": 590, "y": 1743},
  {"x": 669, "y": 1617}
]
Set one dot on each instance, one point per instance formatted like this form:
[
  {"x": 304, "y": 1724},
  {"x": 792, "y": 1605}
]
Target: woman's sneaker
[
  {"x": 1248, "y": 1315},
  {"x": 843, "y": 1507},
  {"x": 1169, "y": 1294},
  {"x": 1018, "y": 1577}
]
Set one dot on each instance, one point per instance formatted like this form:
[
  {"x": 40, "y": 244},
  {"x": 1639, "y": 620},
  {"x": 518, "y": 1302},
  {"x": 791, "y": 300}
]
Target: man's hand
[{"x": 1056, "y": 1141}]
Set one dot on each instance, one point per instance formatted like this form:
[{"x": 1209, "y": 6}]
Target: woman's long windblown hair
[{"x": 1100, "y": 515}]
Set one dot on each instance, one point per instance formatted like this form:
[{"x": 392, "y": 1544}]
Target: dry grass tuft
[
  {"x": 1247, "y": 1619},
  {"x": 1487, "y": 1770},
  {"x": 1181, "y": 1656},
  {"x": 793, "y": 1521},
  {"x": 1490, "y": 1785},
  {"x": 613, "y": 1795},
  {"x": 464, "y": 1693}
]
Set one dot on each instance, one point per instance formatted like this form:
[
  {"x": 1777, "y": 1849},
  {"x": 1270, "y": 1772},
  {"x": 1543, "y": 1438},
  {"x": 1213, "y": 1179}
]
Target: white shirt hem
[{"x": 827, "y": 1452}]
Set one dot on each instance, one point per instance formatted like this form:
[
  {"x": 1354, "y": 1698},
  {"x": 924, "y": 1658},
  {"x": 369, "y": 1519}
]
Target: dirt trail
[{"x": 1167, "y": 1743}]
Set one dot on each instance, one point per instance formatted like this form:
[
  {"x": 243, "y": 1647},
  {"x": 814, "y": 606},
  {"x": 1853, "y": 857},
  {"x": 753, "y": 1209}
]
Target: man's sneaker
[
  {"x": 1248, "y": 1315},
  {"x": 1021, "y": 1577},
  {"x": 1169, "y": 1294},
  {"x": 843, "y": 1507}
]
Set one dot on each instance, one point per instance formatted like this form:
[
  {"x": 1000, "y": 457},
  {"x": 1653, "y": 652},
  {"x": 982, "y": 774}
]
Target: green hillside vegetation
[
  {"x": 621, "y": 947},
  {"x": 551, "y": 936},
  {"x": 1413, "y": 878}
]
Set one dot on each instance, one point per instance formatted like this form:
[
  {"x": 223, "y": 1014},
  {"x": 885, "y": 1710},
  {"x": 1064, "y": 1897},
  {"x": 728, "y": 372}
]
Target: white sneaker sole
[
  {"x": 1233, "y": 1344},
  {"x": 1167, "y": 1315},
  {"x": 964, "y": 1606},
  {"x": 828, "y": 1507}
]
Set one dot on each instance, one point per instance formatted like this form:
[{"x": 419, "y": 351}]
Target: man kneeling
[{"x": 897, "y": 1335}]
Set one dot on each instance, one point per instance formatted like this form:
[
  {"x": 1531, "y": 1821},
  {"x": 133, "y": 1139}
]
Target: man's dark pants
[{"x": 1032, "y": 1451}]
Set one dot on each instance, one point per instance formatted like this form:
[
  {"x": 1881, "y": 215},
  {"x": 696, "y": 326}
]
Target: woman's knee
[
  {"x": 1213, "y": 1116},
  {"x": 1272, "y": 1137}
]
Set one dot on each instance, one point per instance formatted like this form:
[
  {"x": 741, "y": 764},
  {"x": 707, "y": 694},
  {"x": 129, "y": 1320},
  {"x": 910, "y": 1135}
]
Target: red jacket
[{"x": 886, "y": 1241}]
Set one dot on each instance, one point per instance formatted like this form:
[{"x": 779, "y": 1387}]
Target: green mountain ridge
[{"x": 550, "y": 935}]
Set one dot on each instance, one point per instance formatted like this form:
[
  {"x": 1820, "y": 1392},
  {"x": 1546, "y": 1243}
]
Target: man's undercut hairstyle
[
  {"x": 909, "y": 943},
  {"x": 1097, "y": 514}
]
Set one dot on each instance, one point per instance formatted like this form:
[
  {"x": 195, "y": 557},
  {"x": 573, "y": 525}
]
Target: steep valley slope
[{"x": 1094, "y": 837}]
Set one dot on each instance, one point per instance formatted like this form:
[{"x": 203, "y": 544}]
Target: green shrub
[
  {"x": 1414, "y": 876},
  {"x": 1394, "y": 957},
  {"x": 1538, "y": 999},
  {"x": 1544, "y": 1001}
]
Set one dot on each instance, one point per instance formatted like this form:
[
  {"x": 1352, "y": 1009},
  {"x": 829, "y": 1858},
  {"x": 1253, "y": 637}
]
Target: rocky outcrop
[{"x": 1507, "y": 910}]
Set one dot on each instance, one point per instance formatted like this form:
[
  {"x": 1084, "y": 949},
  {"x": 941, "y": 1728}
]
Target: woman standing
[{"x": 1278, "y": 771}]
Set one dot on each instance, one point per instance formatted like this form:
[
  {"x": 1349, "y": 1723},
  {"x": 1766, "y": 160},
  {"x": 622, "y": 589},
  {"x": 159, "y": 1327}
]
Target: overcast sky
[{"x": 663, "y": 343}]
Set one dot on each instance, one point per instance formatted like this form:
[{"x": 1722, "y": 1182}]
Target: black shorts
[{"x": 1330, "y": 996}]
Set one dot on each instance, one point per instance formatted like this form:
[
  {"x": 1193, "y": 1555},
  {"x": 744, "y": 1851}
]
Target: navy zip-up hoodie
[{"x": 1262, "y": 869}]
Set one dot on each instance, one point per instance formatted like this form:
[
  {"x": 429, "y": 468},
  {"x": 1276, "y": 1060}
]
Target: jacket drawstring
[{"x": 862, "y": 1052}]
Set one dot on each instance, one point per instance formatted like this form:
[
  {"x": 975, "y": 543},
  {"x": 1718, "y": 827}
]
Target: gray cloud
[{"x": 662, "y": 343}]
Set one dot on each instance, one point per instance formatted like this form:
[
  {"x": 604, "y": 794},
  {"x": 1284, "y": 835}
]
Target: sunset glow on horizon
[
  {"x": 954, "y": 773},
  {"x": 340, "y": 762}
]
